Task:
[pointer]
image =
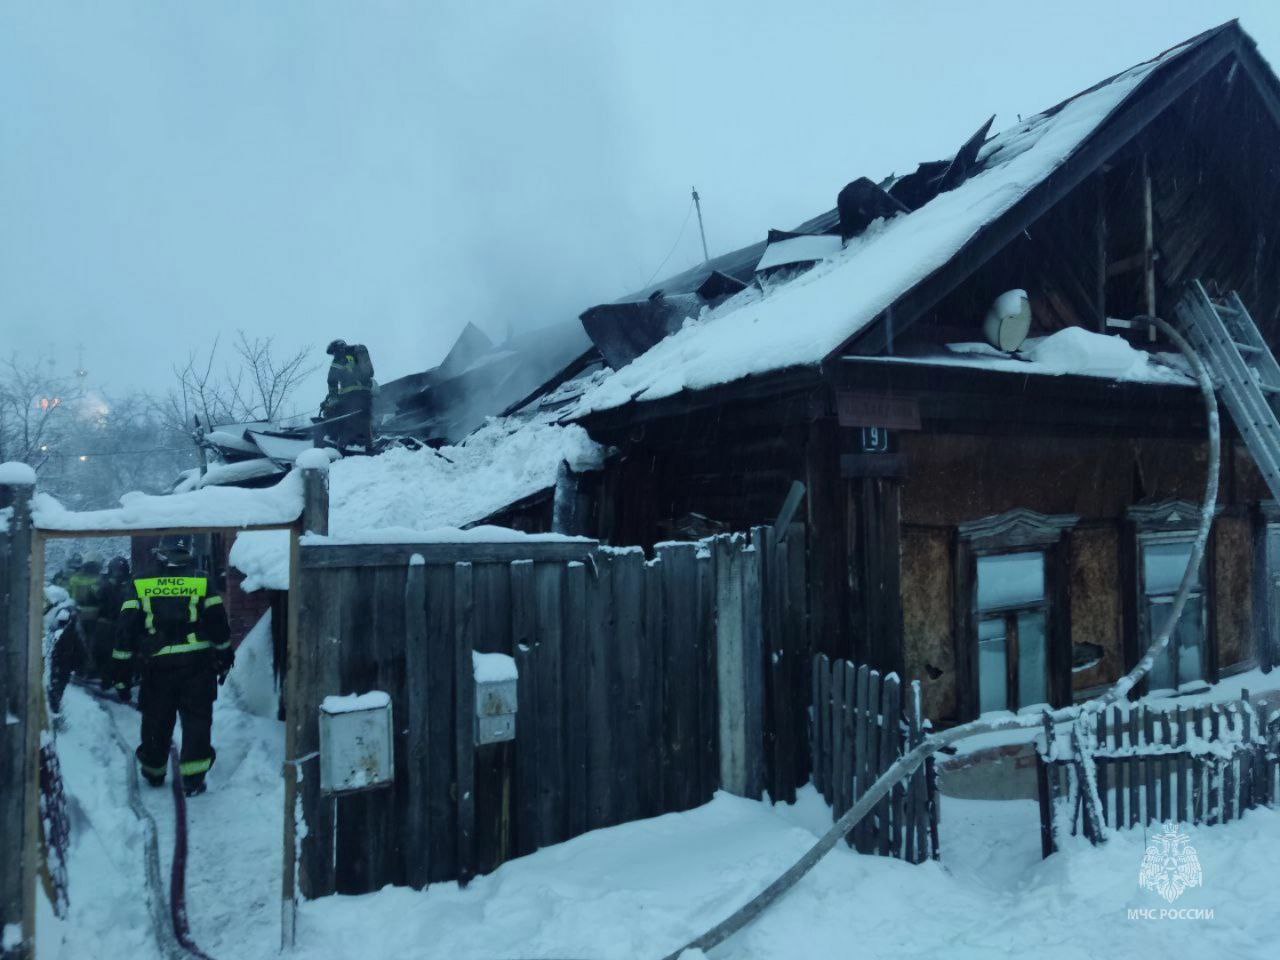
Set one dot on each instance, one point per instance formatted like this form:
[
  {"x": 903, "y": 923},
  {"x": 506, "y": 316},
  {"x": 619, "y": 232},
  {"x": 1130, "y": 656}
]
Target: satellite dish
[{"x": 1008, "y": 321}]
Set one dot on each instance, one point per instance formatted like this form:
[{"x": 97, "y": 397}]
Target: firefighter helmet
[{"x": 174, "y": 551}]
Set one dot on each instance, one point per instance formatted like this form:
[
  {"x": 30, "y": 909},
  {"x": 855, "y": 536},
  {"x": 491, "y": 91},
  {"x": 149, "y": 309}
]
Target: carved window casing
[
  {"x": 1163, "y": 534},
  {"x": 1013, "y": 612}
]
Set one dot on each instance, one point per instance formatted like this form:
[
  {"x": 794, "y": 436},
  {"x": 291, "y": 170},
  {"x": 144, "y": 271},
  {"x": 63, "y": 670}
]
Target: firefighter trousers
[{"x": 178, "y": 685}]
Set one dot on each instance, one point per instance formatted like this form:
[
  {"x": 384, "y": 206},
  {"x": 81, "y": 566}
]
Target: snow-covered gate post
[
  {"x": 301, "y": 729},
  {"x": 19, "y": 702}
]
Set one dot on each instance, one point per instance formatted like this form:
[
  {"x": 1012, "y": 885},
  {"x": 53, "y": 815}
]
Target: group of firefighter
[{"x": 165, "y": 633}]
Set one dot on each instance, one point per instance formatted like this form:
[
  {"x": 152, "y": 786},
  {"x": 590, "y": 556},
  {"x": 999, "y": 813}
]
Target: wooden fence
[
  {"x": 1203, "y": 765},
  {"x": 644, "y": 686},
  {"x": 860, "y": 726}
]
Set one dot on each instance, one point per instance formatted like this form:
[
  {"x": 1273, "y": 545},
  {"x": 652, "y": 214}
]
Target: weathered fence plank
[
  {"x": 441, "y": 722},
  {"x": 653, "y": 789},
  {"x": 548, "y": 599},
  {"x": 19, "y": 695},
  {"x": 464, "y": 718},
  {"x": 600, "y": 785},
  {"x": 524, "y": 645},
  {"x": 681, "y": 641},
  {"x": 628, "y": 681},
  {"x": 575, "y": 682}
]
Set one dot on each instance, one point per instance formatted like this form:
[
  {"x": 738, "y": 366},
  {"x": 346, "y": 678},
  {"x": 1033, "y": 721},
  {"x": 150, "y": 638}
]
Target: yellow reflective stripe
[
  {"x": 190, "y": 767},
  {"x": 222, "y": 646},
  {"x": 121, "y": 655},
  {"x": 214, "y": 601},
  {"x": 153, "y": 771},
  {"x": 150, "y": 587},
  {"x": 193, "y": 588},
  {"x": 188, "y": 647},
  {"x": 129, "y": 605}
]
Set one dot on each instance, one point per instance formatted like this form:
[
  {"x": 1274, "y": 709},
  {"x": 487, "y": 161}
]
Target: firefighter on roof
[
  {"x": 347, "y": 411},
  {"x": 173, "y": 633}
]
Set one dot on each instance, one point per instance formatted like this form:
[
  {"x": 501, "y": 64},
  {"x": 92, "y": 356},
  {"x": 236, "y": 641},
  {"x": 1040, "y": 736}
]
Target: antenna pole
[{"x": 697, "y": 203}]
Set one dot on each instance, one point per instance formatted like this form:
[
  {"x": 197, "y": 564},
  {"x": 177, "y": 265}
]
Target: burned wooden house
[{"x": 1002, "y": 461}]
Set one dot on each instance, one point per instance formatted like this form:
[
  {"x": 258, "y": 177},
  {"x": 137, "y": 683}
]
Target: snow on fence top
[
  {"x": 425, "y": 496},
  {"x": 206, "y": 507},
  {"x": 803, "y": 321},
  {"x": 17, "y": 474}
]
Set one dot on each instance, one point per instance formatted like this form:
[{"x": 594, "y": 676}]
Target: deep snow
[{"x": 641, "y": 889}]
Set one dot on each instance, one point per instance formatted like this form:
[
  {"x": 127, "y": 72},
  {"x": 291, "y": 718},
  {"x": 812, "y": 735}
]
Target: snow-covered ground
[
  {"x": 642, "y": 889},
  {"x": 233, "y": 880}
]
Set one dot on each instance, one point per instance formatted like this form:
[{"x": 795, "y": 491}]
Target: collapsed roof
[
  {"x": 477, "y": 379},
  {"x": 888, "y": 251}
]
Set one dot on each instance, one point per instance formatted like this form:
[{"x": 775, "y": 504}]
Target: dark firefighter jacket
[
  {"x": 350, "y": 372},
  {"x": 170, "y": 618}
]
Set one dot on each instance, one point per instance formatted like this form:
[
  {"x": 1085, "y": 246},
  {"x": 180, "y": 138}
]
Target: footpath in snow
[{"x": 641, "y": 889}]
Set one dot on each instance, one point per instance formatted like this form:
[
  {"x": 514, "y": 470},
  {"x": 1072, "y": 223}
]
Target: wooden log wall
[
  {"x": 1201, "y": 764},
  {"x": 644, "y": 686}
]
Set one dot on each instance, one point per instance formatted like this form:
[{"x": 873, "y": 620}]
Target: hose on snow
[
  {"x": 907, "y": 764},
  {"x": 178, "y": 867}
]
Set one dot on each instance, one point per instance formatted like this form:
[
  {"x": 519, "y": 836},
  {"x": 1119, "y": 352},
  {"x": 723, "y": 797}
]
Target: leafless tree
[
  {"x": 257, "y": 385},
  {"x": 269, "y": 380},
  {"x": 34, "y": 403}
]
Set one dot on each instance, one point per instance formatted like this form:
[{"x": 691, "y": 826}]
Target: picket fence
[
  {"x": 860, "y": 725},
  {"x": 1203, "y": 764}
]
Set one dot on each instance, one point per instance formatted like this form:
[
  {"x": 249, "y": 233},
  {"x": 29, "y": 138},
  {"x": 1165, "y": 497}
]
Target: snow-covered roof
[
  {"x": 206, "y": 507},
  {"x": 219, "y": 474},
  {"x": 1073, "y": 351},
  {"x": 406, "y": 495},
  {"x": 765, "y": 328}
]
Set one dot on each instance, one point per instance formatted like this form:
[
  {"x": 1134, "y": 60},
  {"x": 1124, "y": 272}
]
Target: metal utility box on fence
[
  {"x": 496, "y": 679},
  {"x": 356, "y": 743}
]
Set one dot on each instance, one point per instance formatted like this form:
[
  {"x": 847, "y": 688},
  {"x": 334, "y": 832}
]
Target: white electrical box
[{"x": 356, "y": 743}]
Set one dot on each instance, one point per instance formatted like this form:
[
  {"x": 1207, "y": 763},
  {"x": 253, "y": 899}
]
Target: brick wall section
[{"x": 243, "y": 609}]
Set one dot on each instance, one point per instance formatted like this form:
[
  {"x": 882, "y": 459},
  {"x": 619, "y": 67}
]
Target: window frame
[
  {"x": 1266, "y": 590},
  {"x": 1017, "y": 531},
  {"x": 1166, "y": 521},
  {"x": 1009, "y": 613}
]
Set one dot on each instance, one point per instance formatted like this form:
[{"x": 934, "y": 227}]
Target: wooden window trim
[
  {"x": 1017, "y": 531},
  {"x": 1165, "y": 521}
]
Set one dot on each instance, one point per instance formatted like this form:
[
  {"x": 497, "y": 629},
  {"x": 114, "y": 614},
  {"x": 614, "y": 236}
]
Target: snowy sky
[{"x": 385, "y": 171}]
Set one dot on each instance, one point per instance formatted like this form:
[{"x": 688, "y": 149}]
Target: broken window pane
[
  {"x": 1010, "y": 579},
  {"x": 1033, "y": 660},
  {"x": 993, "y": 666}
]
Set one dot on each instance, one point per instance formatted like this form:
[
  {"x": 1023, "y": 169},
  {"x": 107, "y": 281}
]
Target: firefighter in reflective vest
[
  {"x": 347, "y": 410},
  {"x": 173, "y": 633},
  {"x": 87, "y": 587}
]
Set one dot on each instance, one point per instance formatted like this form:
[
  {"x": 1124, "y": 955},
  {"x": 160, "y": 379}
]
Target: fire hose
[
  {"x": 907, "y": 764},
  {"x": 172, "y": 932}
]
